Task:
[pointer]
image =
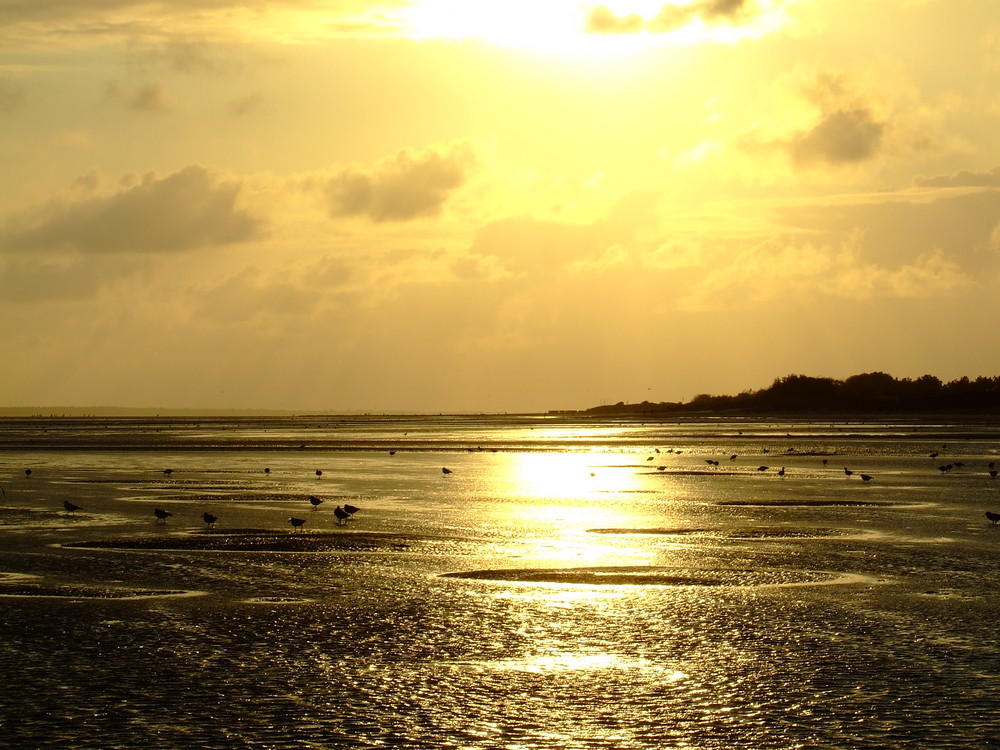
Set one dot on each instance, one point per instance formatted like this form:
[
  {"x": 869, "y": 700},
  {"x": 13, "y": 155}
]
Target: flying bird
[
  {"x": 297, "y": 523},
  {"x": 209, "y": 519},
  {"x": 316, "y": 502},
  {"x": 71, "y": 507},
  {"x": 161, "y": 515},
  {"x": 994, "y": 517}
]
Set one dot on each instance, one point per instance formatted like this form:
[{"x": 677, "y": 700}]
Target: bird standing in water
[
  {"x": 71, "y": 507},
  {"x": 297, "y": 523},
  {"x": 994, "y": 517},
  {"x": 209, "y": 519},
  {"x": 161, "y": 515},
  {"x": 316, "y": 502}
]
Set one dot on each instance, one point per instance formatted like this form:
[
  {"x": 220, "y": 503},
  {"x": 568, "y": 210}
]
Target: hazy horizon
[{"x": 495, "y": 207}]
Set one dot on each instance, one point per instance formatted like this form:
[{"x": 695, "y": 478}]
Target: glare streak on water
[{"x": 615, "y": 588}]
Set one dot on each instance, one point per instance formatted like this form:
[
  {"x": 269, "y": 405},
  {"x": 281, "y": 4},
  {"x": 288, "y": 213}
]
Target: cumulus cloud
[
  {"x": 188, "y": 209},
  {"x": 410, "y": 185},
  {"x": 841, "y": 137},
  {"x": 601, "y": 20}
]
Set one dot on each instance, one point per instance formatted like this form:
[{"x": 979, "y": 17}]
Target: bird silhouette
[
  {"x": 267, "y": 470},
  {"x": 781, "y": 471},
  {"x": 445, "y": 470},
  {"x": 993, "y": 473},
  {"x": 763, "y": 468},
  {"x": 161, "y": 515},
  {"x": 994, "y": 517},
  {"x": 848, "y": 472},
  {"x": 352, "y": 509},
  {"x": 209, "y": 519},
  {"x": 866, "y": 477},
  {"x": 319, "y": 473},
  {"x": 27, "y": 472},
  {"x": 71, "y": 507},
  {"x": 297, "y": 523},
  {"x": 341, "y": 514},
  {"x": 167, "y": 472},
  {"x": 316, "y": 502}
]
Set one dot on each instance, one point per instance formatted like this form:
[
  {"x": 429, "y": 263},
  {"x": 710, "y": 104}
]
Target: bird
[
  {"x": 209, "y": 519},
  {"x": 27, "y": 472},
  {"x": 167, "y": 472},
  {"x": 161, "y": 515},
  {"x": 445, "y": 470},
  {"x": 267, "y": 470},
  {"x": 994, "y": 517},
  {"x": 866, "y": 477},
  {"x": 763, "y": 468},
  {"x": 319, "y": 473},
  {"x": 316, "y": 502},
  {"x": 71, "y": 507},
  {"x": 781, "y": 471},
  {"x": 993, "y": 473},
  {"x": 341, "y": 514},
  {"x": 661, "y": 468},
  {"x": 352, "y": 509},
  {"x": 848, "y": 472},
  {"x": 392, "y": 453},
  {"x": 297, "y": 523}
]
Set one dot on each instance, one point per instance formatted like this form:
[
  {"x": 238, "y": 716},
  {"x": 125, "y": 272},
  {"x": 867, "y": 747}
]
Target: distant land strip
[{"x": 868, "y": 393}]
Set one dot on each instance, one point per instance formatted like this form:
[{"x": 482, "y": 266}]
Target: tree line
[{"x": 873, "y": 392}]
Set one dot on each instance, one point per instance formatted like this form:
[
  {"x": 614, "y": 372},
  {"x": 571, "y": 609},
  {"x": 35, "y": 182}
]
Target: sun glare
[{"x": 552, "y": 26}]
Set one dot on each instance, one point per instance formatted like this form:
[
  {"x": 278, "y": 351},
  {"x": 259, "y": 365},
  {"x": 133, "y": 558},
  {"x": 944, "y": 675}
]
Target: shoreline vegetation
[{"x": 865, "y": 394}]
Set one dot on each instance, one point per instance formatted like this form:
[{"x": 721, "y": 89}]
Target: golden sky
[{"x": 491, "y": 205}]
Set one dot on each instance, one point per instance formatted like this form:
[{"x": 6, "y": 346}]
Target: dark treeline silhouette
[{"x": 873, "y": 392}]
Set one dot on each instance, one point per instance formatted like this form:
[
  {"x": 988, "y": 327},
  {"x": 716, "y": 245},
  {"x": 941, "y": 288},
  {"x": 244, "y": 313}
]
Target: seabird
[
  {"x": 445, "y": 470},
  {"x": 866, "y": 477},
  {"x": 352, "y": 509},
  {"x": 27, "y": 472},
  {"x": 316, "y": 502},
  {"x": 296, "y": 523},
  {"x": 319, "y": 473},
  {"x": 847, "y": 472},
  {"x": 781, "y": 471},
  {"x": 209, "y": 519},
  {"x": 763, "y": 468},
  {"x": 167, "y": 472},
  {"x": 994, "y": 517},
  {"x": 161, "y": 515},
  {"x": 341, "y": 514},
  {"x": 71, "y": 507}
]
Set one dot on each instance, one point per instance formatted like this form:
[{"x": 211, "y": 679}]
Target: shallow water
[{"x": 570, "y": 584}]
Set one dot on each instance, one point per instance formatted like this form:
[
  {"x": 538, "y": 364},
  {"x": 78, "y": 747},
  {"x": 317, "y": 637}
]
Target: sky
[{"x": 491, "y": 205}]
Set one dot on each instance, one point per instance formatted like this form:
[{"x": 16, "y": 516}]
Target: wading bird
[
  {"x": 71, "y": 507},
  {"x": 167, "y": 472},
  {"x": 316, "y": 502},
  {"x": 209, "y": 519},
  {"x": 341, "y": 514},
  {"x": 297, "y": 523},
  {"x": 445, "y": 470},
  {"x": 351, "y": 509},
  {"x": 866, "y": 477},
  {"x": 161, "y": 515},
  {"x": 847, "y": 472},
  {"x": 319, "y": 473},
  {"x": 994, "y": 517}
]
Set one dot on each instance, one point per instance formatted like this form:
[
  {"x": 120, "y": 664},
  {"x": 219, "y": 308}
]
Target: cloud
[
  {"x": 841, "y": 137},
  {"x": 185, "y": 210},
  {"x": 12, "y": 97},
  {"x": 410, "y": 185},
  {"x": 671, "y": 17},
  {"x": 963, "y": 178},
  {"x": 150, "y": 97}
]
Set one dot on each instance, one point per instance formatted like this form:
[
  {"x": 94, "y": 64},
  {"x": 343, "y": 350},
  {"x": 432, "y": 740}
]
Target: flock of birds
[
  {"x": 342, "y": 513},
  {"x": 345, "y": 512}
]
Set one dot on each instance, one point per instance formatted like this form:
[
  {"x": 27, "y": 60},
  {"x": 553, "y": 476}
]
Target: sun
[{"x": 546, "y": 26}]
